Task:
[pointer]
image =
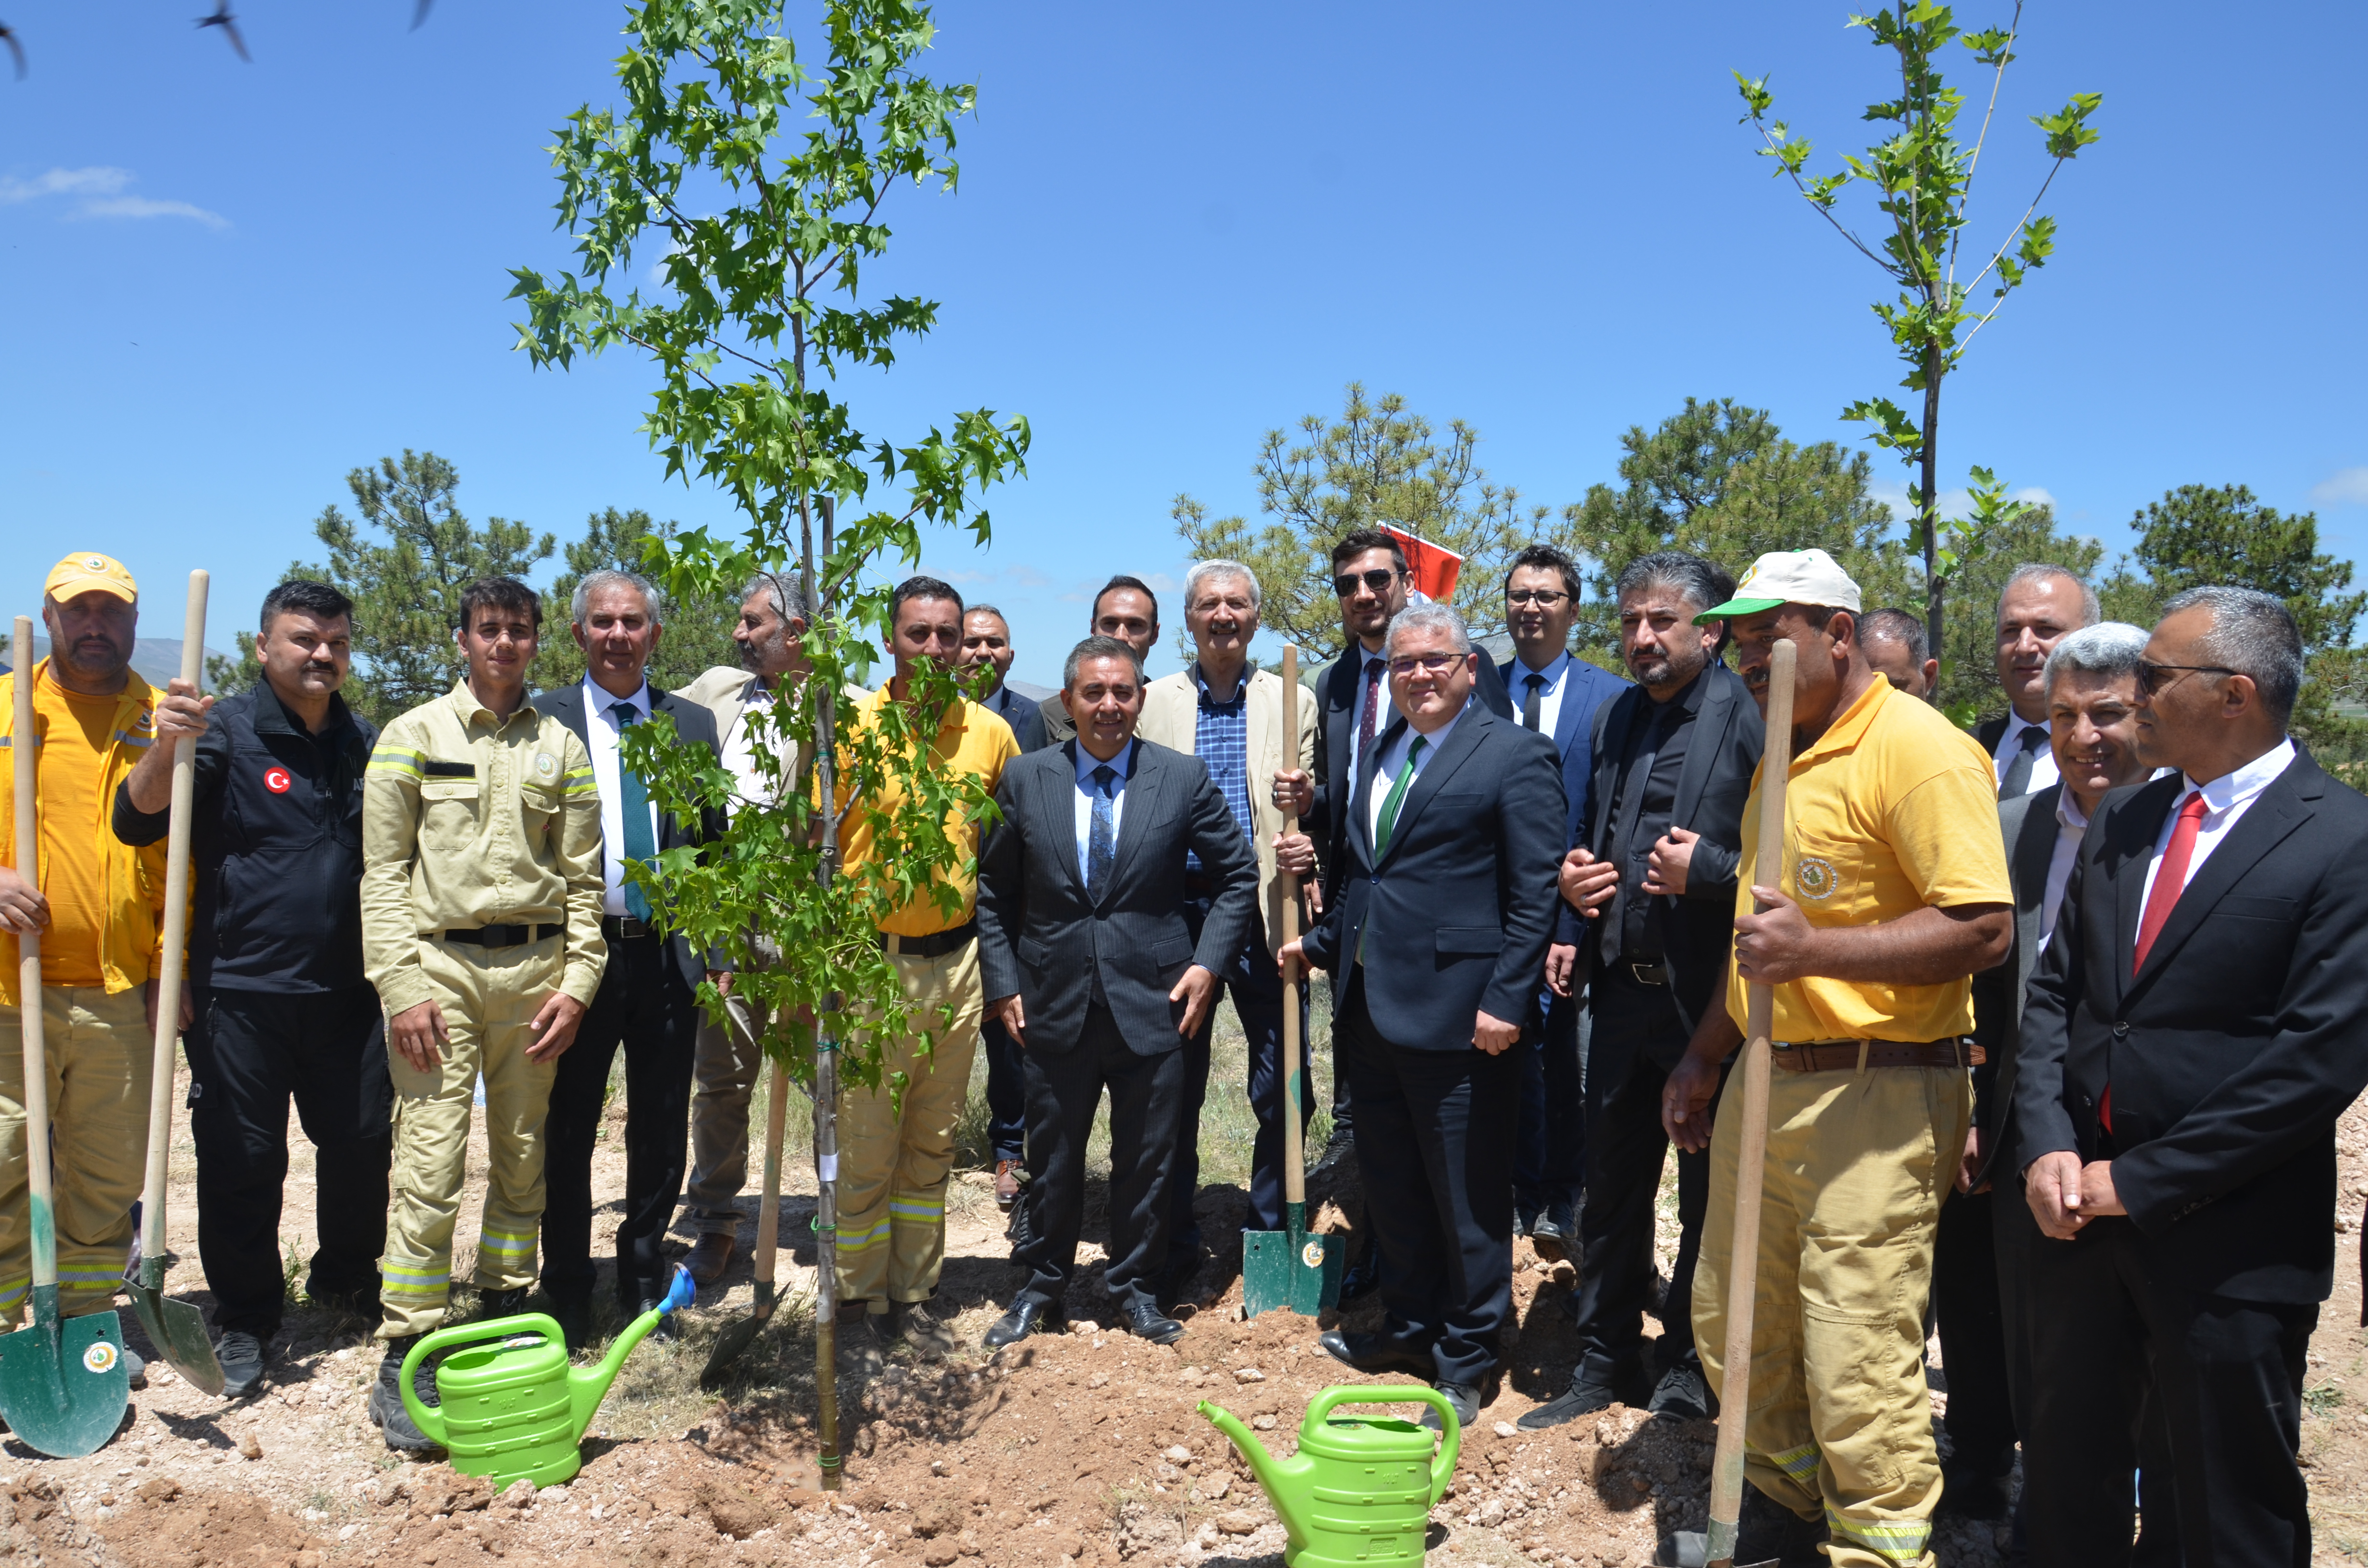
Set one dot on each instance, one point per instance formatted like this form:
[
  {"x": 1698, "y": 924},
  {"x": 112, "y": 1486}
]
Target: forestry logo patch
[{"x": 1815, "y": 877}]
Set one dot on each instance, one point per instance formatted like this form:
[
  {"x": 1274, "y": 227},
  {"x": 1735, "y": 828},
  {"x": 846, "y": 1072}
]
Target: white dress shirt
[
  {"x": 601, "y": 732},
  {"x": 1549, "y": 695},
  {"x": 1087, "y": 789},
  {"x": 1392, "y": 758},
  {"x": 2226, "y": 800},
  {"x": 740, "y": 750},
  {"x": 2071, "y": 824},
  {"x": 2010, "y": 746}
]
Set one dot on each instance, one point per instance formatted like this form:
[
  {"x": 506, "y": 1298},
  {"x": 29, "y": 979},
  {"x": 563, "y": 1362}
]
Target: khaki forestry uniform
[
  {"x": 893, "y": 1163},
  {"x": 472, "y": 823},
  {"x": 1891, "y": 810}
]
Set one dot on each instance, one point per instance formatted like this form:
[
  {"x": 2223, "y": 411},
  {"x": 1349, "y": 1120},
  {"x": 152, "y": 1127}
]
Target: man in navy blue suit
[{"x": 1555, "y": 695}]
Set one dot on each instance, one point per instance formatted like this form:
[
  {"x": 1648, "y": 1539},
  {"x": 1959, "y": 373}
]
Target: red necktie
[
  {"x": 2170, "y": 881},
  {"x": 1368, "y": 720}
]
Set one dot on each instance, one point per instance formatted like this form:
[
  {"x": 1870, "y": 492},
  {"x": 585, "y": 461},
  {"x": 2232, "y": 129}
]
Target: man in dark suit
[
  {"x": 1435, "y": 942},
  {"x": 2194, "y": 1031},
  {"x": 1558, "y": 696},
  {"x": 1653, "y": 869},
  {"x": 986, "y": 654},
  {"x": 1088, "y": 960},
  {"x": 1126, "y": 609},
  {"x": 2039, "y": 604},
  {"x": 648, "y": 996}
]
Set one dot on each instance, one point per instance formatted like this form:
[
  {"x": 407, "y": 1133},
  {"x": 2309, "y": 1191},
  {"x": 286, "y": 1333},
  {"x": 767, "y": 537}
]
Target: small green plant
[
  {"x": 2324, "y": 1399},
  {"x": 291, "y": 1272}
]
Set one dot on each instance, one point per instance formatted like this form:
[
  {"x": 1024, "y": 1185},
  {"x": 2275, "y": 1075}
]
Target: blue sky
[{"x": 1179, "y": 227}]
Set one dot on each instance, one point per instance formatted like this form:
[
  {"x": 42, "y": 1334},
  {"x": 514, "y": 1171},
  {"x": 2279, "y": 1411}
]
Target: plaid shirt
[{"x": 1221, "y": 738}]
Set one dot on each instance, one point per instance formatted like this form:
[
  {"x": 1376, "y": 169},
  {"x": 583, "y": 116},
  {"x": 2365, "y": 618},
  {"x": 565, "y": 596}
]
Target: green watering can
[
  {"x": 513, "y": 1409},
  {"x": 1360, "y": 1488}
]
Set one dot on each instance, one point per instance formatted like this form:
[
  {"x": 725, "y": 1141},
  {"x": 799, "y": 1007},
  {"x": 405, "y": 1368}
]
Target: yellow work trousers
[
  {"x": 99, "y": 1051},
  {"x": 1840, "y": 1421},
  {"x": 894, "y": 1157},
  {"x": 489, "y": 997}
]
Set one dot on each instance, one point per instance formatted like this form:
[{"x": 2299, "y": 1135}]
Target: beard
[{"x": 753, "y": 655}]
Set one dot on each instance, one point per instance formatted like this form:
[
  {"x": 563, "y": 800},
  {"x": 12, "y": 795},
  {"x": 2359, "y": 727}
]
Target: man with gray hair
[
  {"x": 2038, "y": 605},
  {"x": 648, "y": 997}
]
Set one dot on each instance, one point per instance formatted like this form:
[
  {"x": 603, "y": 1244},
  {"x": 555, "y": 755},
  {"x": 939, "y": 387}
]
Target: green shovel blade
[
  {"x": 1290, "y": 1268},
  {"x": 177, "y": 1329},
  {"x": 737, "y": 1336},
  {"x": 63, "y": 1383}
]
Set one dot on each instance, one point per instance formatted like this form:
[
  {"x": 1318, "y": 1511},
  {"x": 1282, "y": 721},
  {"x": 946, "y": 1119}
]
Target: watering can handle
[
  {"x": 430, "y": 1420},
  {"x": 1442, "y": 1464}
]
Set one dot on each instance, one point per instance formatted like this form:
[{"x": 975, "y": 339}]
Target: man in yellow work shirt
[
  {"x": 1894, "y": 893},
  {"x": 99, "y": 913},
  {"x": 892, "y": 1162},
  {"x": 481, "y": 928}
]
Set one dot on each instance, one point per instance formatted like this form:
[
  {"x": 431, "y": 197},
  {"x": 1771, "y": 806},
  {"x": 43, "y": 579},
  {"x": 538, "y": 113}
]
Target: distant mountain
[{"x": 158, "y": 659}]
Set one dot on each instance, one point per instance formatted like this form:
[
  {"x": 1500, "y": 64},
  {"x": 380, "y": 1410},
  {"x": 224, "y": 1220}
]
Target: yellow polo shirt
[
  {"x": 1891, "y": 810},
  {"x": 973, "y": 740}
]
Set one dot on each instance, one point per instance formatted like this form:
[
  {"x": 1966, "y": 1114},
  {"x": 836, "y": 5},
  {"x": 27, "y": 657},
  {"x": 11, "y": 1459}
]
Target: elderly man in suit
[
  {"x": 1232, "y": 719},
  {"x": 2193, "y": 1032},
  {"x": 2038, "y": 605},
  {"x": 1127, "y": 610},
  {"x": 1653, "y": 870},
  {"x": 1557, "y": 695},
  {"x": 1091, "y": 961},
  {"x": 648, "y": 1000},
  {"x": 1435, "y": 944}
]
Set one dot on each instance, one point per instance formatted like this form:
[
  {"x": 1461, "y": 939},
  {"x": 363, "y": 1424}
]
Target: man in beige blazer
[{"x": 1231, "y": 718}]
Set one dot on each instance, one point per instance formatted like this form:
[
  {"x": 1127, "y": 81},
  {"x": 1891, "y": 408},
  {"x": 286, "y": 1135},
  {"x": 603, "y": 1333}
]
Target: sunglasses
[
  {"x": 1377, "y": 579},
  {"x": 2153, "y": 678}
]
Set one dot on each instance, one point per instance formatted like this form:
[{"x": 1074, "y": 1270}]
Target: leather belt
[
  {"x": 1843, "y": 1055},
  {"x": 935, "y": 945},
  {"x": 504, "y": 935},
  {"x": 625, "y": 928},
  {"x": 1647, "y": 974}
]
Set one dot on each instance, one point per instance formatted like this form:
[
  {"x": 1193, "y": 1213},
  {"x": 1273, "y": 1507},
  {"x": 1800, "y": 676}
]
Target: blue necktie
[
  {"x": 634, "y": 804},
  {"x": 1101, "y": 843}
]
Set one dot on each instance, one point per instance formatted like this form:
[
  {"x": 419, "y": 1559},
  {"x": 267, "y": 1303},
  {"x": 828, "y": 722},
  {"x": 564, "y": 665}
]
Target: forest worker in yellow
[
  {"x": 481, "y": 928},
  {"x": 99, "y": 913},
  {"x": 893, "y": 1165},
  {"x": 1894, "y": 893}
]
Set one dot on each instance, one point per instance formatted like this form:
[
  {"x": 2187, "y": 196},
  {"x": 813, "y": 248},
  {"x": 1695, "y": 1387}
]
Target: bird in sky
[
  {"x": 420, "y": 15},
  {"x": 229, "y": 24},
  {"x": 8, "y": 36}
]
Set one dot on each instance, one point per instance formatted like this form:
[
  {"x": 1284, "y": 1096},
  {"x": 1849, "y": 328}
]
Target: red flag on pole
[{"x": 1433, "y": 567}]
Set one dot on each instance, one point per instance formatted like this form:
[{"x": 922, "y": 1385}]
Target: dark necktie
[
  {"x": 1533, "y": 704},
  {"x": 633, "y": 805},
  {"x": 1371, "y": 710},
  {"x": 1101, "y": 841},
  {"x": 2017, "y": 782}
]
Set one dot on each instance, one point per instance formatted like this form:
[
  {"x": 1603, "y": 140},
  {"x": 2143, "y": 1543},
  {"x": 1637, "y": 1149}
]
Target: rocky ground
[{"x": 1083, "y": 1449}]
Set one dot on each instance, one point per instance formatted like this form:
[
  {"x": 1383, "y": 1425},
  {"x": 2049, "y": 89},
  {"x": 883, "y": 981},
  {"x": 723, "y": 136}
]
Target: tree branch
[
  {"x": 2014, "y": 31},
  {"x": 2020, "y": 223},
  {"x": 1823, "y": 211}
]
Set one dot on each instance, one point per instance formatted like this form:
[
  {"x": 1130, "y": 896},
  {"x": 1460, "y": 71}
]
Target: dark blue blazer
[
  {"x": 1574, "y": 730},
  {"x": 1027, "y": 723},
  {"x": 1455, "y": 915}
]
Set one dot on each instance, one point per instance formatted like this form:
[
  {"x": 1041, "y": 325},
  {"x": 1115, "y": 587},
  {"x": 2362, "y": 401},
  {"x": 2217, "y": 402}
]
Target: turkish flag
[{"x": 1433, "y": 567}]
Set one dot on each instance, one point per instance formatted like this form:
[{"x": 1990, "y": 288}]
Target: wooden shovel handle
[
  {"x": 768, "y": 1218},
  {"x": 176, "y": 932},
  {"x": 24, "y": 750},
  {"x": 1294, "y": 1153}
]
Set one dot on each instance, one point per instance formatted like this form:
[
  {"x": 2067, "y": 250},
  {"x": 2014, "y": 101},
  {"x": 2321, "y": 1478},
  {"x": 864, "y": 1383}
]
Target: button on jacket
[
  {"x": 470, "y": 821},
  {"x": 276, "y": 842}
]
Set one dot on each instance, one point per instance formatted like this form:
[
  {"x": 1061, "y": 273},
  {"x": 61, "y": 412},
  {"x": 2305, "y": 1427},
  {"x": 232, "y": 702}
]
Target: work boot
[
  {"x": 386, "y": 1407},
  {"x": 1766, "y": 1532},
  {"x": 925, "y": 1325},
  {"x": 1006, "y": 1183},
  {"x": 501, "y": 1303},
  {"x": 241, "y": 1355},
  {"x": 1554, "y": 1233},
  {"x": 711, "y": 1257}
]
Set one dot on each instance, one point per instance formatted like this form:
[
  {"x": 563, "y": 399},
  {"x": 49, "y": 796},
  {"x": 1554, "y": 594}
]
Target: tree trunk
[
  {"x": 825, "y": 1097},
  {"x": 1935, "y": 590}
]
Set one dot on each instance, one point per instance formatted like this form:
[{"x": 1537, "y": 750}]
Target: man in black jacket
[
  {"x": 648, "y": 1000},
  {"x": 2192, "y": 1033},
  {"x": 280, "y": 1007},
  {"x": 1655, "y": 873}
]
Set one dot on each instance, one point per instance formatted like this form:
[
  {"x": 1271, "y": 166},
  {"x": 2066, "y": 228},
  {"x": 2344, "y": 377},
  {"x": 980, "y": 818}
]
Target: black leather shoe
[
  {"x": 1372, "y": 1353},
  {"x": 1363, "y": 1276},
  {"x": 664, "y": 1333},
  {"x": 1683, "y": 1394},
  {"x": 1967, "y": 1494},
  {"x": 1146, "y": 1322},
  {"x": 1585, "y": 1396},
  {"x": 1549, "y": 1233},
  {"x": 501, "y": 1303},
  {"x": 386, "y": 1407},
  {"x": 1465, "y": 1400},
  {"x": 1027, "y": 1317},
  {"x": 573, "y": 1316},
  {"x": 1767, "y": 1532},
  {"x": 1525, "y": 1219}
]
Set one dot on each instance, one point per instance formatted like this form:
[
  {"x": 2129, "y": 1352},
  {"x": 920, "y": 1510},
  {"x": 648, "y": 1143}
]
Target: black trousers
[
  {"x": 1435, "y": 1142},
  {"x": 1966, "y": 1301},
  {"x": 2106, "y": 1331},
  {"x": 1006, "y": 1090},
  {"x": 250, "y": 1052},
  {"x": 644, "y": 1005},
  {"x": 1255, "y": 983},
  {"x": 1551, "y": 1164},
  {"x": 1146, "y": 1096},
  {"x": 1637, "y": 1027}
]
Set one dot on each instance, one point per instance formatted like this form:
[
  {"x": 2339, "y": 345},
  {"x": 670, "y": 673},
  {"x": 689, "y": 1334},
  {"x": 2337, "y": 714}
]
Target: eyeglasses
[
  {"x": 1377, "y": 579},
  {"x": 2151, "y": 675},
  {"x": 1434, "y": 664},
  {"x": 1544, "y": 598}
]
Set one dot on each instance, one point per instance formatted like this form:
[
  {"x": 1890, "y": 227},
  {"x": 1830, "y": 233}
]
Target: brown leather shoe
[
  {"x": 1006, "y": 1183},
  {"x": 711, "y": 1257}
]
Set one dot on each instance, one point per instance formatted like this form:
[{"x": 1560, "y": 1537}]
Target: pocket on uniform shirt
[
  {"x": 1824, "y": 875},
  {"x": 448, "y": 813},
  {"x": 540, "y": 804}
]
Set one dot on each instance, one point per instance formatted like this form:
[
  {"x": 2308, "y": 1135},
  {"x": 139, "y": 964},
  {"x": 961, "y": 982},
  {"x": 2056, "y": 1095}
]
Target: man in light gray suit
[{"x": 1086, "y": 958}]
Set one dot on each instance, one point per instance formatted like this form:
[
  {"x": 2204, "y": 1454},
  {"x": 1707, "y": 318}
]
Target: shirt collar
[
  {"x": 2015, "y": 725},
  {"x": 2068, "y": 812},
  {"x": 1555, "y": 674},
  {"x": 1437, "y": 738},
  {"x": 272, "y": 715},
  {"x": 598, "y": 699},
  {"x": 1087, "y": 762},
  {"x": 1241, "y": 692},
  {"x": 1851, "y": 723},
  {"x": 2235, "y": 788}
]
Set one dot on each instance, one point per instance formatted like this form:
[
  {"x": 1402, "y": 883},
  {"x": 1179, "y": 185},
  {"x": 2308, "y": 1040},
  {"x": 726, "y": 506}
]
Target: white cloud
[
  {"x": 99, "y": 193},
  {"x": 2344, "y": 487}
]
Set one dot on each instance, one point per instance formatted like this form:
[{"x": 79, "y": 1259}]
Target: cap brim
[
  {"x": 73, "y": 588},
  {"x": 1737, "y": 606}
]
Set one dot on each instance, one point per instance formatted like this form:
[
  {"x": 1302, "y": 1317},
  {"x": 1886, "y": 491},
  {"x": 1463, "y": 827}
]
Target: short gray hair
[
  {"x": 1099, "y": 647},
  {"x": 1427, "y": 618},
  {"x": 2109, "y": 648},
  {"x": 789, "y": 600},
  {"x": 1221, "y": 568},
  {"x": 1896, "y": 626},
  {"x": 610, "y": 576},
  {"x": 2032, "y": 570},
  {"x": 2254, "y": 634}
]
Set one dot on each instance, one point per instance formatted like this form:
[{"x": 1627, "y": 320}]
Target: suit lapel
[
  {"x": 1057, "y": 788},
  {"x": 2140, "y": 818},
  {"x": 1570, "y": 724},
  {"x": 2277, "y": 812},
  {"x": 1460, "y": 745},
  {"x": 1144, "y": 790},
  {"x": 1606, "y": 763},
  {"x": 1712, "y": 716},
  {"x": 567, "y": 707}
]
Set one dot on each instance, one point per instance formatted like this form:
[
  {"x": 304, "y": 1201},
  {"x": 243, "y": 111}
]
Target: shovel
[
  {"x": 1289, "y": 1268},
  {"x": 63, "y": 1384},
  {"x": 177, "y": 1329},
  {"x": 737, "y": 1338}
]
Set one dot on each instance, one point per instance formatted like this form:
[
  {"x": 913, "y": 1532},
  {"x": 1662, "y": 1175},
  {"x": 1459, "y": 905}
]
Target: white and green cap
[{"x": 1790, "y": 578}]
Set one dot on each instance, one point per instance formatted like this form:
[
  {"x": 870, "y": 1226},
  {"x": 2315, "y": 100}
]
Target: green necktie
[{"x": 1396, "y": 797}]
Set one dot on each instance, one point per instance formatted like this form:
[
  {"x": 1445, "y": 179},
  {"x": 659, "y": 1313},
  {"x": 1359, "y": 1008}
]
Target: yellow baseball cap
[{"x": 81, "y": 574}]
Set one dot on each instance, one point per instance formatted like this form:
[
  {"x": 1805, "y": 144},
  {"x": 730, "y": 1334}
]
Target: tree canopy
[{"x": 698, "y": 627}]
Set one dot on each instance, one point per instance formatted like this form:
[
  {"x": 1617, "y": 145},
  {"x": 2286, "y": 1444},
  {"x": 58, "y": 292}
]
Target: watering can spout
[
  {"x": 1280, "y": 1479},
  {"x": 587, "y": 1386}
]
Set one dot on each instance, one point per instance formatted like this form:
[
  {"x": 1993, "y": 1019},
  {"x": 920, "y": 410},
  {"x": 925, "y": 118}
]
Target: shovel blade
[
  {"x": 737, "y": 1338},
  {"x": 63, "y": 1383},
  {"x": 178, "y": 1330},
  {"x": 1290, "y": 1268}
]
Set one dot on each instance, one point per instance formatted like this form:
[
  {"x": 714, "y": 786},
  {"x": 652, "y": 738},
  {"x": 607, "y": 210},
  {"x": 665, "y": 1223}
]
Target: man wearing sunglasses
[{"x": 2193, "y": 1031}]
